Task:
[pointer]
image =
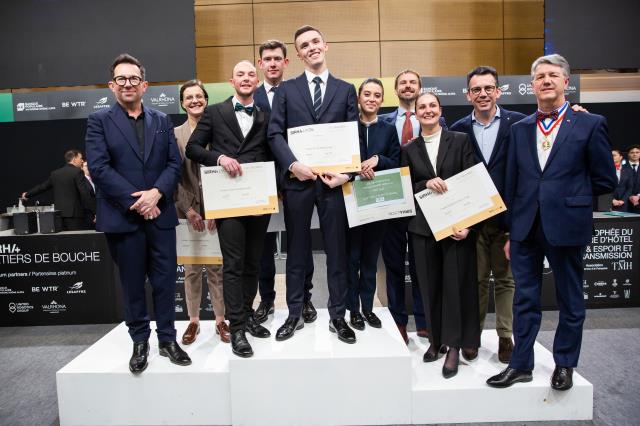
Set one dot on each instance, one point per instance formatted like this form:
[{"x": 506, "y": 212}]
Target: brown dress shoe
[
  {"x": 222, "y": 329},
  {"x": 470, "y": 354},
  {"x": 505, "y": 349},
  {"x": 403, "y": 332},
  {"x": 423, "y": 332},
  {"x": 189, "y": 336}
]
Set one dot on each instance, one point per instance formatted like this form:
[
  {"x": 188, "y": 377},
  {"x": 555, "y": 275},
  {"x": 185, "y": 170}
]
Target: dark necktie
[
  {"x": 635, "y": 168},
  {"x": 544, "y": 115},
  {"x": 407, "y": 129},
  {"x": 273, "y": 89},
  {"x": 317, "y": 95},
  {"x": 240, "y": 107}
]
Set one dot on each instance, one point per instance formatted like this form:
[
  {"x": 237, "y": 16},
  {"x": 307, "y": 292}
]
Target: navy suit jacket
[
  {"x": 293, "y": 107},
  {"x": 381, "y": 139},
  {"x": 261, "y": 100},
  {"x": 579, "y": 166},
  {"x": 391, "y": 118},
  {"x": 625, "y": 187},
  {"x": 498, "y": 161},
  {"x": 118, "y": 169}
]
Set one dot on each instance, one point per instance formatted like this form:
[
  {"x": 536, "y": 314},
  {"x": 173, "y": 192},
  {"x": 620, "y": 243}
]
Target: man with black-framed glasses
[{"x": 135, "y": 165}]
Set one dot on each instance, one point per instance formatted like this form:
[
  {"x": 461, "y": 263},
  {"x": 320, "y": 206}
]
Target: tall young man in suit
[
  {"x": 394, "y": 247},
  {"x": 135, "y": 164},
  {"x": 631, "y": 172},
  {"x": 488, "y": 127},
  {"x": 557, "y": 161},
  {"x": 312, "y": 98},
  {"x": 273, "y": 61},
  {"x": 71, "y": 192},
  {"x": 236, "y": 130}
]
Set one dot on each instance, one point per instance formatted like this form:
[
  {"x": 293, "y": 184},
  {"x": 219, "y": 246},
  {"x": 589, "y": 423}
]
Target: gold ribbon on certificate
[
  {"x": 252, "y": 193},
  {"x": 471, "y": 198},
  {"x": 197, "y": 248},
  {"x": 329, "y": 147}
]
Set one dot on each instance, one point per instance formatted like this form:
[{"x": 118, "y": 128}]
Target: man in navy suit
[
  {"x": 557, "y": 161},
  {"x": 273, "y": 61},
  {"x": 135, "y": 165},
  {"x": 314, "y": 97},
  {"x": 632, "y": 179},
  {"x": 488, "y": 127}
]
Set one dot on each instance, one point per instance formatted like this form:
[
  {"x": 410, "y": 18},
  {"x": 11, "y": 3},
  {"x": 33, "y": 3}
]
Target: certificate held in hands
[
  {"x": 197, "y": 248},
  {"x": 330, "y": 147},
  {"x": 471, "y": 198},
  {"x": 253, "y": 193}
]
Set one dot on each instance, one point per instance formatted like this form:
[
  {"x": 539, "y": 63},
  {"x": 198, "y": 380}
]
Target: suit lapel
[
  {"x": 443, "y": 148},
  {"x": 532, "y": 139},
  {"x": 421, "y": 147},
  {"x": 468, "y": 125},
  {"x": 258, "y": 120},
  {"x": 303, "y": 87},
  {"x": 228, "y": 114},
  {"x": 565, "y": 128},
  {"x": 329, "y": 93},
  {"x": 121, "y": 121},
  {"x": 149, "y": 132}
]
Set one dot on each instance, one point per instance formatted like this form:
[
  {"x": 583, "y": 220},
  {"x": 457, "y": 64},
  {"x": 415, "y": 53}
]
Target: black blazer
[
  {"x": 261, "y": 99},
  {"x": 71, "y": 194},
  {"x": 218, "y": 129},
  {"x": 455, "y": 154}
]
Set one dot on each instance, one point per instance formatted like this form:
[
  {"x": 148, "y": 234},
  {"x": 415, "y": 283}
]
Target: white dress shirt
[
  {"x": 401, "y": 117},
  {"x": 244, "y": 120},
  {"x": 270, "y": 94},
  {"x": 312, "y": 86},
  {"x": 543, "y": 154}
]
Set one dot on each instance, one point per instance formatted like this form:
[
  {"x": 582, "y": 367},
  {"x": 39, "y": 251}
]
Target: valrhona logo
[{"x": 54, "y": 307}]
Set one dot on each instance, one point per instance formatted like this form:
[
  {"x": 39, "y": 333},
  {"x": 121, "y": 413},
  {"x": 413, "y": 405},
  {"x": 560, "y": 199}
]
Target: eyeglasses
[
  {"x": 487, "y": 89},
  {"x": 121, "y": 80}
]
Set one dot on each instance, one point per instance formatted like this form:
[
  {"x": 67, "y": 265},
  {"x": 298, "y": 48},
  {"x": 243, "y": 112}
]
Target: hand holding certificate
[
  {"x": 197, "y": 248},
  {"x": 387, "y": 196},
  {"x": 471, "y": 197},
  {"x": 252, "y": 193},
  {"x": 330, "y": 147}
]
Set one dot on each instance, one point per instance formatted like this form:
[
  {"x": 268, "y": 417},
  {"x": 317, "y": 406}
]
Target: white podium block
[
  {"x": 96, "y": 388},
  {"x": 315, "y": 379},
  {"x": 467, "y": 398}
]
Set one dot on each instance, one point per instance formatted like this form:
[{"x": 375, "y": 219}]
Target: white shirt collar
[
  {"x": 310, "y": 76},
  {"x": 235, "y": 100}
]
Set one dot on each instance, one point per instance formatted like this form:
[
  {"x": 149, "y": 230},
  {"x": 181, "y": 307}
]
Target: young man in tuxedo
[
  {"x": 235, "y": 133},
  {"x": 135, "y": 165},
  {"x": 314, "y": 97},
  {"x": 273, "y": 61},
  {"x": 557, "y": 161}
]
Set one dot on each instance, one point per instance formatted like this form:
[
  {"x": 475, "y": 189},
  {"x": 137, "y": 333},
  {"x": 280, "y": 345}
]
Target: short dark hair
[
  {"x": 427, "y": 92},
  {"x": 633, "y": 147},
  {"x": 125, "y": 58},
  {"x": 482, "y": 70},
  {"x": 408, "y": 71},
  {"x": 71, "y": 154},
  {"x": 272, "y": 45},
  {"x": 192, "y": 83},
  {"x": 305, "y": 29},
  {"x": 618, "y": 151},
  {"x": 371, "y": 80}
]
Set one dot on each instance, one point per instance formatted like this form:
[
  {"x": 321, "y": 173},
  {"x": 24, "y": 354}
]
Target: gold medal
[{"x": 546, "y": 144}]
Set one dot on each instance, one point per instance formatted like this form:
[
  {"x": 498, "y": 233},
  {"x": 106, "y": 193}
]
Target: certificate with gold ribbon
[
  {"x": 327, "y": 147},
  {"x": 252, "y": 193},
  {"x": 471, "y": 198},
  {"x": 388, "y": 196},
  {"x": 197, "y": 248}
]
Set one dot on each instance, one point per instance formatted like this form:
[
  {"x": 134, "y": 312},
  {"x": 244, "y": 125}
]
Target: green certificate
[{"x": 385, "y": 189}]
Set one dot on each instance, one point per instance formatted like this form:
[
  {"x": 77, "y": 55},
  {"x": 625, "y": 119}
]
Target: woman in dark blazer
[
  {"x": 380, "y": 150},
  {"x": 446, "y": 269}
]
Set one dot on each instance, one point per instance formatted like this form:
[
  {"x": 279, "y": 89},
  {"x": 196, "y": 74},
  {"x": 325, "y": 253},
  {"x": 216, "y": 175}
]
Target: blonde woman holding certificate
[
  {"x": 446, "y": 269},
  {"x": 380, "y": 150}
]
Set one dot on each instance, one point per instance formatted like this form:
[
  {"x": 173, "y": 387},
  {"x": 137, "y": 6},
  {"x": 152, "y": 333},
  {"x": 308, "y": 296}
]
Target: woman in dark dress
[{"x": 446, "y": 269}]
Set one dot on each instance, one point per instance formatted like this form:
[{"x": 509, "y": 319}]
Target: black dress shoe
[
  {"x": 341, "y": 328},
  {"x": 433, "y": 353},
  {"x": 372, "y": 319},
  {"x": 509, "y": 376},
  {"x": 174, "y": 352},
  {"x": 309, "y": 313},
  {"x": 356, "y": 320},
  {"x": 139, "y": 359},
  {"x": 562, "y": 378},
  {"x": 289, "y": 327},
  {"x": 255, "y": 329},
  {"x": 264, "y": 310},
  {"x": 240, "y": 345}
]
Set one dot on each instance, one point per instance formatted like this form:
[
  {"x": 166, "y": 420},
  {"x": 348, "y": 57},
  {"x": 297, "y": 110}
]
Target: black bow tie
[
  {"x": 544, "y": 115},
  {"x": 240, "y": 107}
]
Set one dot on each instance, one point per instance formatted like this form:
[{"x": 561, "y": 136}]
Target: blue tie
[{"x": 317, "y": 95}]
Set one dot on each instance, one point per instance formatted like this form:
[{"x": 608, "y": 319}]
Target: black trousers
[
  {"x": 241, "y": 243},
  {"x": 448, "y": 279},
  {"x": 74, "y": 223}
]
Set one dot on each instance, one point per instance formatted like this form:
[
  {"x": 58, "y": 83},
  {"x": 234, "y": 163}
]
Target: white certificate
[
  {"x": 197, "y": 248},
  {"x": 253, "y": 193},
  {"x": 327, "y": 147},
  {"x": 471, "y": 198},
  {"x": 388, "y": 196}
]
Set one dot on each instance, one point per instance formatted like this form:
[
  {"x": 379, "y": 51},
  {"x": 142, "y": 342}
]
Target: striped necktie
[{"x": 317, "y": 95}]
